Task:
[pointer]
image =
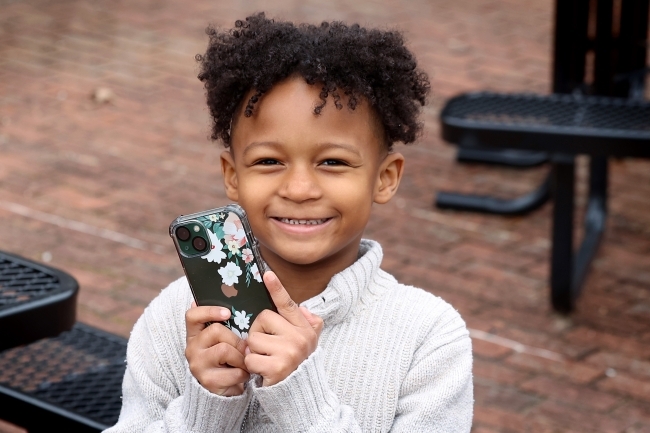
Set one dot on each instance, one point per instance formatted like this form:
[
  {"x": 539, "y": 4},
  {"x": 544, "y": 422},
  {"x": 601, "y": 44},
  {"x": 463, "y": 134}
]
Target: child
[{"x": 308, "y": 116}]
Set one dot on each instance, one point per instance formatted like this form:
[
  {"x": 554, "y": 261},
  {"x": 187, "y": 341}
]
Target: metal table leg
[
  {"x": 568, "y": 272},
  {"x": 563, "y": 173},
  {"x": 594, "y": 223}
]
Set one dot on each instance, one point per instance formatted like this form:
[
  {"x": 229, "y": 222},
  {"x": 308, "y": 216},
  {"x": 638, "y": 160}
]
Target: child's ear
[
  {"x": 229, "y": 175},
  {"x": 390, "y": 174}
]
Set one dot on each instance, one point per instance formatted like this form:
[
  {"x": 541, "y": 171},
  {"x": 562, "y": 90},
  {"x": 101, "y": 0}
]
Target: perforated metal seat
[
  {"x": 72, "y": 382},
  {"x": 602, "y": 126}
]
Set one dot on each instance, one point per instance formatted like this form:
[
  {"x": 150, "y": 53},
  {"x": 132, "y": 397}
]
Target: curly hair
[{"x": 345, "y": 59}]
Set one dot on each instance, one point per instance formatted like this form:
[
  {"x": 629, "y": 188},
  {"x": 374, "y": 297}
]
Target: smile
[{"x": 303, "y": 222}]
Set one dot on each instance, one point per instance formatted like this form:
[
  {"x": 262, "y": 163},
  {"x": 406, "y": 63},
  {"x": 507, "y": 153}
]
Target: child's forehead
[{"x": 290, "y": 105}]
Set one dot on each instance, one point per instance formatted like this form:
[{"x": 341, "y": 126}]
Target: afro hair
[{"x": 347, "y": 60}]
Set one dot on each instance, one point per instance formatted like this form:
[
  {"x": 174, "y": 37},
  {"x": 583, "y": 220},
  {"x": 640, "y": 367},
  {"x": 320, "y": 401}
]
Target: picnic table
[{"x": 603, "y": 118}]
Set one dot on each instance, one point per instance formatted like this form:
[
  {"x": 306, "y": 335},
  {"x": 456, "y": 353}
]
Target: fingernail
[
  {"x": 271, "y": 277},
  {"x": 247, "y": 351},
  {"x": 223, "y": 313}
]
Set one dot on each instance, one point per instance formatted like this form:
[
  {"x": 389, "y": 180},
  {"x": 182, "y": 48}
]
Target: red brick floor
[{"x": 126, "y": 167}]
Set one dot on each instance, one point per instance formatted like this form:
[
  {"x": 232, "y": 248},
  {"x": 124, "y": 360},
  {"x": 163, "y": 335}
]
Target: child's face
[{"x": 308, "y": 182}]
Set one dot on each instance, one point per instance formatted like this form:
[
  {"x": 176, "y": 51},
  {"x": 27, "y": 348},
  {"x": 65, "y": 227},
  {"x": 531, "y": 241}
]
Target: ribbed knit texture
[{"x": 390, "y": 358}]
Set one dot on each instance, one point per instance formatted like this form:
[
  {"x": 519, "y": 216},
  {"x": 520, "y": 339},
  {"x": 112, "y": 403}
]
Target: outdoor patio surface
[{"x": 104, "y": 141}]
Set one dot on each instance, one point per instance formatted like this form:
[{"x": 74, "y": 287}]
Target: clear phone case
[{"x": 228, "y": 271}]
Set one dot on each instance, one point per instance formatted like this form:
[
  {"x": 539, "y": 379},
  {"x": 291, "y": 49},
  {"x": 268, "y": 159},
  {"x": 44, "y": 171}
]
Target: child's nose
[{"x": 300, "y": 184}]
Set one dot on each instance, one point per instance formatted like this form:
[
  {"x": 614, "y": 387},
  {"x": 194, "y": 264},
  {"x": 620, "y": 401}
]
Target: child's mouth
[{"x": 303, "y": 221}]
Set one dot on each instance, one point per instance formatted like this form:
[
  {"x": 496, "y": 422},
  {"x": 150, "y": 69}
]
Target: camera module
[
  {"x": 183, "y": 234},
  {"x": 199, "y": 243}
]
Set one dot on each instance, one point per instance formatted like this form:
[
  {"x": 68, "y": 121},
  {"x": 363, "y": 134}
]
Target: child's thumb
[{"x": 315, "y": 321}]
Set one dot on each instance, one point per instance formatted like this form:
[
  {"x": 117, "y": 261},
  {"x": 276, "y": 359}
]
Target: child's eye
[
  {"x": 333, "y": 162},
  {"x": 267, "y": 161}
]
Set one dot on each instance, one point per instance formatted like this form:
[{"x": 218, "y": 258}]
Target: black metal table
[
  {"x": 567, "y": 123},
  {"x": 564, "y": 125}
]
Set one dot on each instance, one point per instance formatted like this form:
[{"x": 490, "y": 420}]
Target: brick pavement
[{"x": 132, "y": 158}]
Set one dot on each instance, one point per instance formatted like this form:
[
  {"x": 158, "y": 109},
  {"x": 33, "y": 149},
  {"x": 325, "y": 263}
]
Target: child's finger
[
  {"x": 225, "y": 354},
  {"x": 315, "y": 321},
  {"x": 269, "y": 368},
  {"x": 217, "y": 333},
  {"x": 271, "y": 323},
  {"x": 219, "y": 380},
  {"x": 287, "y": 308},
  {"x": 263, "y": 344},
  {"x": 197, "y": 317}
]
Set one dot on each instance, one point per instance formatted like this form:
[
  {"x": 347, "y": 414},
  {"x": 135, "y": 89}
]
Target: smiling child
[{"x": 309, "y": 116}]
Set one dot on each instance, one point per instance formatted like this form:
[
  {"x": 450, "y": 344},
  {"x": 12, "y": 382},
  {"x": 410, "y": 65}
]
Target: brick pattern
[{"x": 102, "y": 121}]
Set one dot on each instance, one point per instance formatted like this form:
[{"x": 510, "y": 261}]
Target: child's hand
[
  {"x": 214, "y": 353},
  {"x": 279, "y": 342}
]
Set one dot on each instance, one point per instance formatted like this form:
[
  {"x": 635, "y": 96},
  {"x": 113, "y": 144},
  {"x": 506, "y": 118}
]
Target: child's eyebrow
[
  {"x": 273, "y": 144},
  {"x": 255, "y": 144},
  {"x": 343, "y": 146}
]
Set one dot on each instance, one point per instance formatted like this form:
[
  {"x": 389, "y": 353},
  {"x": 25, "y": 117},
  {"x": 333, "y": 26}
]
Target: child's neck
[{"x": 303, "y": 282}]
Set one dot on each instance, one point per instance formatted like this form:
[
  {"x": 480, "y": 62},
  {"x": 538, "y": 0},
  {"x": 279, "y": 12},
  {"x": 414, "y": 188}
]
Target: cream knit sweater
[{"x": 390, "y": 358}]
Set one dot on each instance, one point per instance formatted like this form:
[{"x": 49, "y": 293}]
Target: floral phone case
[{"x": 227, "y": 270}]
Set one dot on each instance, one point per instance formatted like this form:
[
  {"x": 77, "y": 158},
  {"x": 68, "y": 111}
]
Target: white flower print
[
  {"x": 230, "y": 228},
  {"x": 256, "y": 273},
  {"x": 215, "y": 254},
  {"x": 247, "y": 255},
  {"x": 213, "y": 218},
  {"x": 233, "y": 247},
  {"x": 230, "y": 274},
  {"x": 241, "y": 320},
  {"x": 234, "y": 230},
  {"x": 242, "y": 335}
]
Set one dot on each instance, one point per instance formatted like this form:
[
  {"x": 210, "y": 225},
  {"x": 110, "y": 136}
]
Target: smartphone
[{"x": 222, "y": 263}]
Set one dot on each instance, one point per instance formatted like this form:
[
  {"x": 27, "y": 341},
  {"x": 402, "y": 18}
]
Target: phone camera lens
[
  {"x": 199, "y": 243},
  {"x": 183, "y": 234}
]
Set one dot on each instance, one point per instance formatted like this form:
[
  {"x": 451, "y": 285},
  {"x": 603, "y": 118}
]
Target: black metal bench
[
  {"x": 72, "y": 382},
  {"x": 564, "y": 125},
  {"x": 55, "y": 374}
]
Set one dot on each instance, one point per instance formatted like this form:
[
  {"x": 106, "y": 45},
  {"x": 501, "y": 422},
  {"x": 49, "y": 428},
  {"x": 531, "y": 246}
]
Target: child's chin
[
  {"x": 301, "y": 255},
  {"x": 301, "y": 259}
]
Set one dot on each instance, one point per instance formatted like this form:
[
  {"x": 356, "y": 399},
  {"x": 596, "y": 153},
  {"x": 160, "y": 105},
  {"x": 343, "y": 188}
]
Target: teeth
[{"x": 303, "y": 222}]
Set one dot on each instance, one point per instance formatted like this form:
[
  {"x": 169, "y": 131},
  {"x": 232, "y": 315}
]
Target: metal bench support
[{"x": 486, "y": 204}]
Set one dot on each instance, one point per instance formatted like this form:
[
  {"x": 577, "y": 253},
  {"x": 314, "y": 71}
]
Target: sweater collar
[{"x": 350, "y": 287}]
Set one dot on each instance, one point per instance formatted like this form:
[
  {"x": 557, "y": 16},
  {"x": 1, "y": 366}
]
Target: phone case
[{"x": 229, "y": 272}]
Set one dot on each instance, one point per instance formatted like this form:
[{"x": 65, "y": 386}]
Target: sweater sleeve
[
  {"x": 159, "y": 394},
  {"x": 437, "y": 393},
  {"x": 304, "y": 402}
]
